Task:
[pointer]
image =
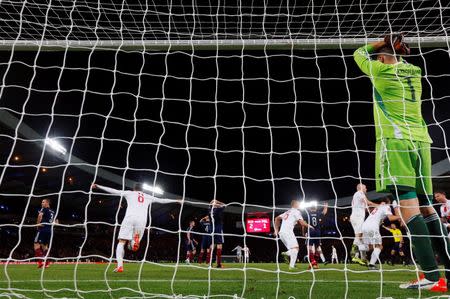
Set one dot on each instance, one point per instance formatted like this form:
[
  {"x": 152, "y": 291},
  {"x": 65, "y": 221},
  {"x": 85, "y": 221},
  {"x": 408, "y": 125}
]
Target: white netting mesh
[
  {"x": 160, "y": 20},
  {"x": 253, "y": 128}
]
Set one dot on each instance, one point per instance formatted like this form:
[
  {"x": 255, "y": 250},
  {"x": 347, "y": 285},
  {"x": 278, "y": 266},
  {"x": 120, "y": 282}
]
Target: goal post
[{"x": 237, "y": 44}]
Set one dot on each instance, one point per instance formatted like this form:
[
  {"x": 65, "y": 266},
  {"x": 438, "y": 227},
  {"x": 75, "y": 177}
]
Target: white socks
[
  {"x": 375, "y": 255},
  {"x": 357, "y": 242},
  {"x": 362, "y": 251},
  {"x": 119, "y": 254},
  {"x": 322, "y": 257},
  {"x": 293, "y": 254}
]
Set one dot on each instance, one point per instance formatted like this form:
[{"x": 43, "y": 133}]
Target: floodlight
[
  {"x": 307, "y": 204},
  {"x": 56, "y": 146},
  {"x": 154, "y": 189}
]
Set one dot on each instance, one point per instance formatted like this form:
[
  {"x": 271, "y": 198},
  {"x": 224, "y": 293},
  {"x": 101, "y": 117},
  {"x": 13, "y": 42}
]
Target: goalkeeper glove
[{"x": 396, "y": 42}]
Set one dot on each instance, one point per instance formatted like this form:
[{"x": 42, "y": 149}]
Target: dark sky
[{"x": 237, "y": 127}]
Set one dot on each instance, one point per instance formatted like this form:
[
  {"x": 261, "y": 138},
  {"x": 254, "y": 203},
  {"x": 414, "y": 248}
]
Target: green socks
[
  {"x": 422, "y": 247},
  {"x": 439, "y": 240}
]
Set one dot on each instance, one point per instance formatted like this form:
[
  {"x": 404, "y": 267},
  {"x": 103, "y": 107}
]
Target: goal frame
[{"x": 231, "y": 44}]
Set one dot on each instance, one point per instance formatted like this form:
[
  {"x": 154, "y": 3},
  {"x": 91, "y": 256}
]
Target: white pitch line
[{"x": 205, "y": 280}]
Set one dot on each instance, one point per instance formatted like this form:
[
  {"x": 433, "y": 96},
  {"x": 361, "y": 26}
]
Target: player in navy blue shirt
[
  {"x": 190, "y": 243},
  {"x": 206, "y": 240},
  {"x": 216, "y": 216},
  {"x": 45, "y": 219},
  {"x": 314, "y": 235}
]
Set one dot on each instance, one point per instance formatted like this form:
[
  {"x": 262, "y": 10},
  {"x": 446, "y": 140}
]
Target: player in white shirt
[
  {"x": 360, "y": 203},
  {"x": 238, "y": 250},
  {"x": 371, "y": 229},
  {"x": 246, "y": 251},
  {"x": 441, "y": 198},
  {"x": 135, "y": 220},
  {"x": 288, "y": 220},
  {"x": 334, "y": 256}
]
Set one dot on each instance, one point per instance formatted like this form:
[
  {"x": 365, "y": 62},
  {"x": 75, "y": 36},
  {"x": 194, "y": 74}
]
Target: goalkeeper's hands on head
[{"x": 397, "y": 43}]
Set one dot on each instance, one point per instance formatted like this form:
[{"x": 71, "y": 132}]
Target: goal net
[{"x": 252, "y": 103}]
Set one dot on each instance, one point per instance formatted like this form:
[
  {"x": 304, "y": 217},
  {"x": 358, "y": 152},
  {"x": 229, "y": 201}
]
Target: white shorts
[
  {"x": 357, "y": 223},
  {"x": 131, "y": 226},
  {"x": 289, "y": 240},
  {"x": 371, "y": 235}
]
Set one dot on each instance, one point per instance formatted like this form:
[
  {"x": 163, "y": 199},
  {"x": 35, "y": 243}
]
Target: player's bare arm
[
  {"x": 276, "y": 225},
  {"x": 217, "y": 204},
  {"x": 393, "y": 218},
  {"x": 370, "y": 203},
  {"x": 39, "y": 219},
  {"x": 325, "y": 209},
  {"x": 305, "y": 224}
]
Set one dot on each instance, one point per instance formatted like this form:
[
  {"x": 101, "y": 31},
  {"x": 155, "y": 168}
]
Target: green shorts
[{"x": 404, "y": 165}]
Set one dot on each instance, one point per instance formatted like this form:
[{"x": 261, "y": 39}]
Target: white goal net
[{"x": 251, "y": 103}]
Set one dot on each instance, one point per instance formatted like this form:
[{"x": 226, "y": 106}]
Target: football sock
[
  {"x": 322, "y": 258},
  {"x": 422, "y": 247},
  {"x": 294, "y": 253},
  {"x": 374, "y": 256},
  {"x": 439, "y": 240},
  {"x": 119, "y": 254},
  {"x": 312, "y": 260},
  {"x": 38, "y": 252},
  {"x": 200, "y": 257},
  {"x": 362, "y": 251},
  {"x": 191, "y": 257},
  {"x": 392, "y": 259},
  {"x": 44, "y": 254},
  {"x": 219, "y": 256},
  {"x": 208, "y": 257}
]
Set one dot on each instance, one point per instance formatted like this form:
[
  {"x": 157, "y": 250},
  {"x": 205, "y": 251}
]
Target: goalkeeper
[{"x": 403, "y": 158}]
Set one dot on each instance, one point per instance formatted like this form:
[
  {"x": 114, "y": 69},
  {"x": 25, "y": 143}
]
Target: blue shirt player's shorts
[
  {"x": 189, "y": 246},
  {"x": 206, "y": 242},
  {"x": 218, "y": 235},
  {"x": 314, "y": 238},
  {"x": 43, "y": 237}
]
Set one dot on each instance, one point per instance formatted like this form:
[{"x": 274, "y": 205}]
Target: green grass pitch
[{"x": 191, "y": 281}]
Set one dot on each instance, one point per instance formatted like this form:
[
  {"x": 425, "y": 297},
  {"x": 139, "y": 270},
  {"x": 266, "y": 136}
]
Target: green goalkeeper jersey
[{"x": 397, "y": 97}]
